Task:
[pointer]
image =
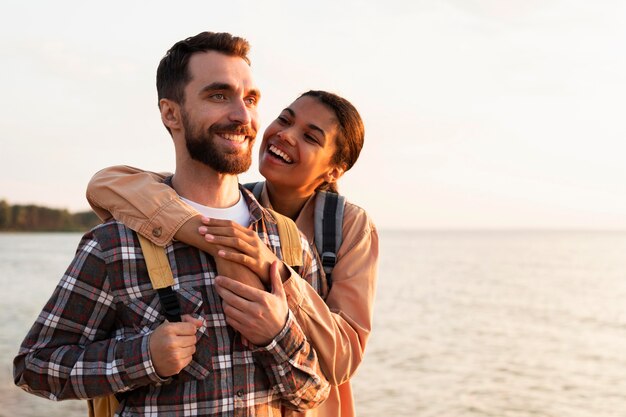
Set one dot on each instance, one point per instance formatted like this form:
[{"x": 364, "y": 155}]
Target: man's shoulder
[{"x": 112, "y": 234}]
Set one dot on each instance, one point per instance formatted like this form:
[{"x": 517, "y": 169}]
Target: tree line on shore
[{"x": 33, "y": 218}]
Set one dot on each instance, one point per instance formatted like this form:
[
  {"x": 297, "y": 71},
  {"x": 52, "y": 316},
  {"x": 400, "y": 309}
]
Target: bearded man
[{"x": 103, "y": 332}]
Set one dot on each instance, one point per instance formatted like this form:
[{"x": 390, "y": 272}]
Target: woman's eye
[{"x": 310, "y": 138}]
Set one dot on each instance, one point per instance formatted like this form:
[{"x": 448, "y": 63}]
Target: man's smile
[{"x": 233, "y": 137}]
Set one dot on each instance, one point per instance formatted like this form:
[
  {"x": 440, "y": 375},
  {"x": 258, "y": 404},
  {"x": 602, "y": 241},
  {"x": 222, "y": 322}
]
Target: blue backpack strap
[
  {"x": 255, "y": 188},
  {"x": 329, "y": 209}
]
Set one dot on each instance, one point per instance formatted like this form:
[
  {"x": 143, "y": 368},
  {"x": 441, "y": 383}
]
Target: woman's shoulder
[
  {"x": 357, "y": 225},
  {"x": 354, "y": 215}
]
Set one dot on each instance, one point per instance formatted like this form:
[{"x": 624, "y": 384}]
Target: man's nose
[{"x": 240, "y": 113}]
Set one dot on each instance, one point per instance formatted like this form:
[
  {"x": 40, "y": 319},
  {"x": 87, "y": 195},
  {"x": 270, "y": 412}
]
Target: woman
[{"x": 305, "y": 150}]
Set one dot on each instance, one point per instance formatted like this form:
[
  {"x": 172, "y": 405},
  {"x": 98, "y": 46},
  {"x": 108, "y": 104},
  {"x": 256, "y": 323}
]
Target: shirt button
[
  {"x": 156, "y": 232},
  {"x": 240, "y": 393}
]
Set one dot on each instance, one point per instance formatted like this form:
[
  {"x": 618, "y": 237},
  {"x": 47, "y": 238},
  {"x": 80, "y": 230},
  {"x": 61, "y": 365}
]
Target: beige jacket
[{"x": 338, "y": 327}]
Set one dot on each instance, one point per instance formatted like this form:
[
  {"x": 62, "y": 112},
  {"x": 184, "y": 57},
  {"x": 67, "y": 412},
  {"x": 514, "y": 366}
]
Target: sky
[{"x": 479, "y": 114}]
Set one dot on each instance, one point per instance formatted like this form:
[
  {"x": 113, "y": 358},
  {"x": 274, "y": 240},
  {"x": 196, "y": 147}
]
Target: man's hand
[
  {"x": 172, "y": 345},
  {"x": 258, "y": 315}
]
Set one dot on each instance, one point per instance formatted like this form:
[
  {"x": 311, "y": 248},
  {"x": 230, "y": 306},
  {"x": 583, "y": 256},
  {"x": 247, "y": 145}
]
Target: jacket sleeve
[
  {"x": 140, "y": 200},
  {"x": 293, "y": 369},
  {"x": 339, "y": 326},
  {"x": 290, "y": 361},
  {"x": 69, "y": 352}
]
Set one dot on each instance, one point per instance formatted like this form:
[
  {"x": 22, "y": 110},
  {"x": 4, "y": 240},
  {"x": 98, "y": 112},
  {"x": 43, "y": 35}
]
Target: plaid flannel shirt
[{"x": 91, "y": 338}]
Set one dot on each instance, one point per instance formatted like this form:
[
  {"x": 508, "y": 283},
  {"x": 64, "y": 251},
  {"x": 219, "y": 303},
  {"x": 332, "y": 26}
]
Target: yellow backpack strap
[
  {"x": 102, "y": 406},
  {"x": 157, "y": 264},
  {"x": 161, "y": 277},
  {"x": 162, "y": 280},
  {"x": 290, "y": 243}
]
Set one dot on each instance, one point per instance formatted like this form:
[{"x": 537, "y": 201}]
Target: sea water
[{"x": 498, "y": 324}]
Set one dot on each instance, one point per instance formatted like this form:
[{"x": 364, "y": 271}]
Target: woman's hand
[
  {"x": 241, "y": 245},
  {"x": 188, "y": 233}
]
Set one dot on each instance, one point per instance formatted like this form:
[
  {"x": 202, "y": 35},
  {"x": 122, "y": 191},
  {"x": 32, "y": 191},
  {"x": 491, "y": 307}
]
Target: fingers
[
  {"x": 234, "y": 315},
  {"x": 223, "y": 236},
  {"x": 176, "y": 334},
  {"x": 231, "y": 314},
  {"x": 181, "y": 334},
  {"x": 172, "y": 345},
  {"x": 227, "y": 288},
  {"x": 223, "y": 227},
  {"x": 242, "y": 243},
  {"x": 168, "y": 362},
  {"x": 239, "y": 258},
  {"x": 259, "y": 266},
  {"x": 236, "y": 310},
  {"x": 239, "y": 245},
  {"x": 212, "y": 229},
  {"x": 188, "y": 318},
  {"x": 186, "y": 353},
  {"x": 182, "y": 342},
  {"x": 183, "y": 328},
  {"x": 276, "y": 279},
  {"x": 221, "y": 223}
]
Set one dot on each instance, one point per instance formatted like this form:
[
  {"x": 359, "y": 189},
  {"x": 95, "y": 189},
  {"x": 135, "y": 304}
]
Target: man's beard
[{"x": 202, "y": 147}]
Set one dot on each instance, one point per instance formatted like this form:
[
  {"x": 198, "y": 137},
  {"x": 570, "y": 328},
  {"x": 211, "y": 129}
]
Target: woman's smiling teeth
[{"x": 282, "y": 155}]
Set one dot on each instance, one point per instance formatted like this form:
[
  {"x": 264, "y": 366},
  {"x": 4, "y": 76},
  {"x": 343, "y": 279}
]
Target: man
[{"x": 102, "y": 331}]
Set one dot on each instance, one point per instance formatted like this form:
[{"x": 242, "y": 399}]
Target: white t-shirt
[{"x": 239, "y": 213}]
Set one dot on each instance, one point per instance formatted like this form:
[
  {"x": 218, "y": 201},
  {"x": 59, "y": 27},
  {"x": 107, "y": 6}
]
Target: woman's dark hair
[{"x": 350, "y": 136}]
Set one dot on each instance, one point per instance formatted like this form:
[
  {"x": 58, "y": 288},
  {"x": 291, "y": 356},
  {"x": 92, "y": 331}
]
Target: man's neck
[{"x": 201, "y": 184}]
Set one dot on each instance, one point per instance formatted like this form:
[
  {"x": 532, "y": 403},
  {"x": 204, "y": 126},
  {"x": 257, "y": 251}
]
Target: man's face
[{"x": 219, "y": 114}]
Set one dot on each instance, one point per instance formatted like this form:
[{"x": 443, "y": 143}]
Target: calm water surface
[{"x": 504, "y": 324}]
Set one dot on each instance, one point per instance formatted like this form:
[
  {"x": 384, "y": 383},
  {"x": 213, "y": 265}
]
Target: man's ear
[
  {"x": 170, "y": 114},
  {"x": 333, "y": 175}
]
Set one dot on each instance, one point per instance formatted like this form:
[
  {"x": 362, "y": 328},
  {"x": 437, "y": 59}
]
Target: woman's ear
[
  {"x": 170, "y": 114},
  {"x": 333, "y": 175}
]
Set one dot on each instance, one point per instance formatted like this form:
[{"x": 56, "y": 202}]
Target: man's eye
[
  {"x": 282, "y": 119},
  {"x": 218, "y": 96},
  {"x": 251, "y": 101}
]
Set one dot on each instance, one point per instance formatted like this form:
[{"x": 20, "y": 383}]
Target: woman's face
[{"x": 298, "y": 146}]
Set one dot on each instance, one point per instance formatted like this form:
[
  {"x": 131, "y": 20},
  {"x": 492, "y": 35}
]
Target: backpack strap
[
  {"x": 102, "y": 406},
  {"x": 255, "y": 188},
  {"x": 289, "y": 235},
  {"x": 161, "y": 278},
  {"x": 329, "y": 209}
]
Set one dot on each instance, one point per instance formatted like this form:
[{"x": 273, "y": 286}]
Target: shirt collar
[{"x": 256, "y": 210}]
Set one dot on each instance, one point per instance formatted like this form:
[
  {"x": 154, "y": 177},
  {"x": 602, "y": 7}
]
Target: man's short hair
[{"x": 173, "y": 74}]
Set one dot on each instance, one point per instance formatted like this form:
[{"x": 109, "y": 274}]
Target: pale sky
[{"x": 479, "y": 113}]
